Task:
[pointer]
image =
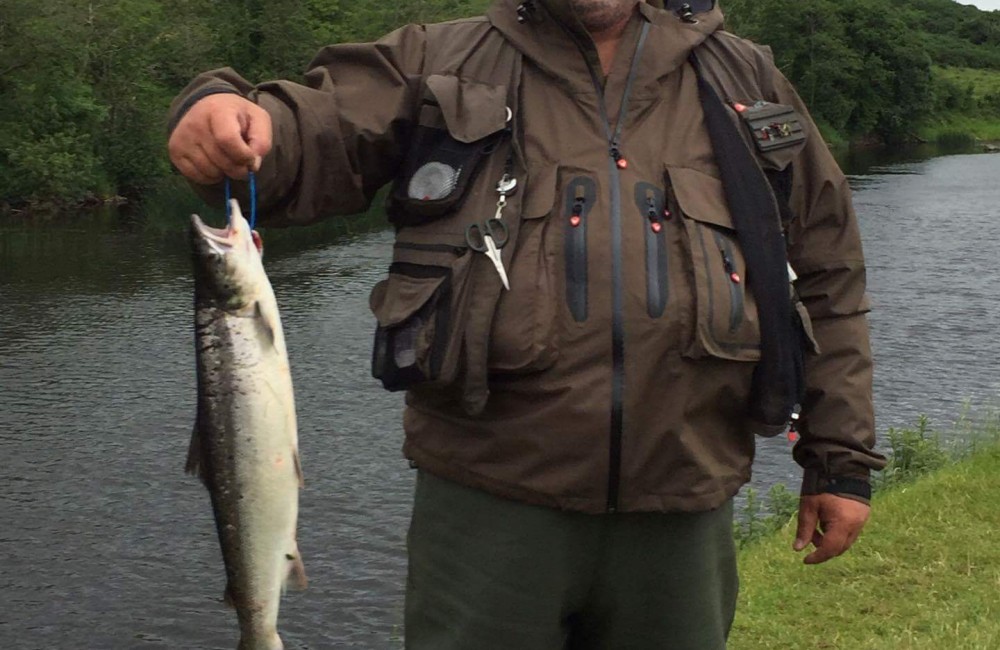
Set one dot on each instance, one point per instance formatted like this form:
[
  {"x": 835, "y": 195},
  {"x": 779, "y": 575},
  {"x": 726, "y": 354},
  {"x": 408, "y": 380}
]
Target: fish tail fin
[{"x": 296, "y": 578}]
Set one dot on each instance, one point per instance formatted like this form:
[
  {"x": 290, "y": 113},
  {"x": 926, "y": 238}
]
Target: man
[{"x": 580, "y": 435}]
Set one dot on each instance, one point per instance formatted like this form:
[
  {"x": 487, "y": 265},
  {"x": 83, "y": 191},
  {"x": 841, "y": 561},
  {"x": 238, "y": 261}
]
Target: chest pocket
[
  {"x": 725, "y": 312},
  {"x": 461, "y": 122}
]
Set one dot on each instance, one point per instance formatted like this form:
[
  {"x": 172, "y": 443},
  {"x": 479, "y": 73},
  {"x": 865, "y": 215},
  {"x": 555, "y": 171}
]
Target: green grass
[
  {"x": 984, "y": 82},
  {"x": 968, "y": 126},
  {"x": 967, "y": 106},
  {"x": 925, "y": 574}
]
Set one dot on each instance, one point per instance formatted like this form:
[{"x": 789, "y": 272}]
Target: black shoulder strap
[{"x": 777, "y": 384}]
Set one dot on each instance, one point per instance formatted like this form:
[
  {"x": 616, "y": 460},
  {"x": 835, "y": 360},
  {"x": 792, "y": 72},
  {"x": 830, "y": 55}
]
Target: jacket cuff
[
  {"x": 194, "y": 98},
  {"x": 857, "y": 488}
]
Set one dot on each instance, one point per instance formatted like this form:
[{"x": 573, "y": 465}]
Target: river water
[{"x": 105, "y": 544}]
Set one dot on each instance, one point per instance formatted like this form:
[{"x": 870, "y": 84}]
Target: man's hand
[
  {"x": 221, "y": 135},
  {"x": 831, "y": 523}
]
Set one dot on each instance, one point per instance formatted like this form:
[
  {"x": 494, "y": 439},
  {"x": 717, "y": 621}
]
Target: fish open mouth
[{"x": 222, "y": 240}]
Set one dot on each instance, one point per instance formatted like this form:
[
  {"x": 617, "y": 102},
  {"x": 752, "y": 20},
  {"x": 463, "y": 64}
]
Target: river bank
[{"x": 925, "y": 573}]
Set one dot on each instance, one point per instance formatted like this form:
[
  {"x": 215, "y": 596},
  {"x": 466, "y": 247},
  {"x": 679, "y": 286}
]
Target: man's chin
[{"x": 602, "y": 15}]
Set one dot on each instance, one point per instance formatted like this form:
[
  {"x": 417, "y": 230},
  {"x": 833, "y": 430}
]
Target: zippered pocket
[
  {"x": 736, "y": 312},
  {"x": 651, "y": 202},
  {"x": 725, "y": 312},
  {"x": 579, "y": 199}
]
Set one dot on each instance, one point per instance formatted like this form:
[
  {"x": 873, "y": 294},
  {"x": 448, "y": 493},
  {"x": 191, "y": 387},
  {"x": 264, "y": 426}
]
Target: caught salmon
[{"x": 245, "y": 444}]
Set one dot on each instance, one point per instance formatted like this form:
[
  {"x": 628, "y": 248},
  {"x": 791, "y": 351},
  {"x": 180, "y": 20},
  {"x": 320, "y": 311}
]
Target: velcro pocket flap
[
  {"x": 471, "y": 110},
  {"x": 701, "y": 196},
  {"x": 540, "y": 191},
  {"x": 405, "y": 292}
]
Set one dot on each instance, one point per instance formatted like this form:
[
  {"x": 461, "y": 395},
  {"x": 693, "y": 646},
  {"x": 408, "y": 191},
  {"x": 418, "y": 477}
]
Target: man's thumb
[{"x": 808, "y": 516}]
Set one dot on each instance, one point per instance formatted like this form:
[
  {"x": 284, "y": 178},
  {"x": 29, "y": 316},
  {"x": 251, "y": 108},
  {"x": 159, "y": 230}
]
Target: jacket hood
[{"x": 553, "y": 38}]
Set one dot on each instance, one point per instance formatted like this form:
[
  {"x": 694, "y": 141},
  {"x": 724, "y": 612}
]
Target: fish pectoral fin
[
  {"x": 194, "y": 465},
  {"x": 298, "y": 469},
  {"x": 296, "y": 578},
  {"x": 266, "y": 323}
]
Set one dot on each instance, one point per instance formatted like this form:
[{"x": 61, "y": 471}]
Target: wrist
[{"x": 855, "y": 487}]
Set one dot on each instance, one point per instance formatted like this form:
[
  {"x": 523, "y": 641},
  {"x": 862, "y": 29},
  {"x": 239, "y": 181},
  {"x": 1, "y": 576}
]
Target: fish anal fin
[
  {"x": 227, "y": 596},
  {"x": 296, "y": 578},
  {"x": 195, "y": 465}
]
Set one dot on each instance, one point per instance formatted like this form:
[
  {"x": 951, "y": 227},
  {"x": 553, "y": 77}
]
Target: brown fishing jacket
[{"x": 615, "y": 373}]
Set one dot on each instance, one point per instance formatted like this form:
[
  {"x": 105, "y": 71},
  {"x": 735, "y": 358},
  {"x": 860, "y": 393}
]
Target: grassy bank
[
  {"x": 925, "y": 574},
  {"x": 960, "y": 126}
]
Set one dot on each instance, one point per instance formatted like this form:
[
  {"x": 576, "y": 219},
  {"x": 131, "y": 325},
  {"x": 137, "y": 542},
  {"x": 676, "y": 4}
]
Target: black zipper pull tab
[
  {"x": 579, "y": 202},
  {"x": 620, "y": 160},
  {"x": 727, "y": 262},
  {"x": 652, "y": 215}
]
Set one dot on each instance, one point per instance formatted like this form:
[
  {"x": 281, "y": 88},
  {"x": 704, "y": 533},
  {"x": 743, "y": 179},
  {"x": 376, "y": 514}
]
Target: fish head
[{"x": 227, "y": 261}]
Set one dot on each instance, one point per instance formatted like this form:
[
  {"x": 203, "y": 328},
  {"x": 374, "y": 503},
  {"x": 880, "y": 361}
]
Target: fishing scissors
[{"x": 489, "y": 237}]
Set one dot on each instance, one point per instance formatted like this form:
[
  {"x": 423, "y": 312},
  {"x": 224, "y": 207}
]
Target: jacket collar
[{"x": 555, "y": 41}]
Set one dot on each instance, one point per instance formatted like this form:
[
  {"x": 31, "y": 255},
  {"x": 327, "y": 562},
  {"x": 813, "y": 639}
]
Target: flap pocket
[
  {"x": 522, "y": 337},
  {"x": 701, "y": 196},
  {"x": 416, "y": 340},
  {"x": 471, "y": 110},
  {"x": 408, "y": 288},
  {"x": 540, "y": 191},
  {"x": 726, "y": 323},
  {"x": 461, "y": 123}
]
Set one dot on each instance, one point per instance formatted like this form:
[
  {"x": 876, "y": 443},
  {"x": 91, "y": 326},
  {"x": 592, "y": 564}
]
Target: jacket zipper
[
  {"x": 734, "y": 281},
  {"x": 650, "y": 201},
  {"x": 581, "y": 195},
  {"x": 617, "y": 162}
]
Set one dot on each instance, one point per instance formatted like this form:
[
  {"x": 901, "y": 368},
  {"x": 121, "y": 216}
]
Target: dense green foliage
[
  {"x": 85, "y": 84},
  {"x": 868, "y": 66}
]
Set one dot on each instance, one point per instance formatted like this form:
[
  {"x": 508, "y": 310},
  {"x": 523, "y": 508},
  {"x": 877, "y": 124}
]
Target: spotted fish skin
[{"x": 245, "y": 442}]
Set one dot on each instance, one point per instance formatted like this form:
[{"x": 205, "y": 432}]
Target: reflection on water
[{"x": 106, "y": 544}]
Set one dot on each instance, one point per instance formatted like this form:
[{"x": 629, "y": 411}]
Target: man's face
[{"x": 600, "y": 15}]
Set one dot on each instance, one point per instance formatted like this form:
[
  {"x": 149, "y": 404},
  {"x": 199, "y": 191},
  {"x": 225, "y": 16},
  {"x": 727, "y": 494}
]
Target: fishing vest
[{"x": 445, "y": 344}]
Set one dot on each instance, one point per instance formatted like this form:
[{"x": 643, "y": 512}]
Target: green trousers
[{"x": 490, "y": 574}]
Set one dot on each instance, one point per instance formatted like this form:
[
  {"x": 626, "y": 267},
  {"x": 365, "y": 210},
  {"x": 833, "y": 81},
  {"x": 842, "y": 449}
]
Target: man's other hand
[
  {"x": 832, "y": 523},
  {"x": 221, "y": 135}
]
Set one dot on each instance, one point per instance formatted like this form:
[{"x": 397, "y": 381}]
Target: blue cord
[{"x": 253, "y": 201}]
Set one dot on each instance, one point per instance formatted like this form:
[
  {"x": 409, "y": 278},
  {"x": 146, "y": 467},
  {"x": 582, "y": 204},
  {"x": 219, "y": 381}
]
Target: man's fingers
[
  {"x": 228, "y": 143},
  {"x": 222, "y": 162},
  {"x": 808, "y": 518},
  {"x": 258, "y": 133},
  {"x": 199, "y": 168},
  {"x": 834, "y": 543},
  {"x": 221, "y": 135}
]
